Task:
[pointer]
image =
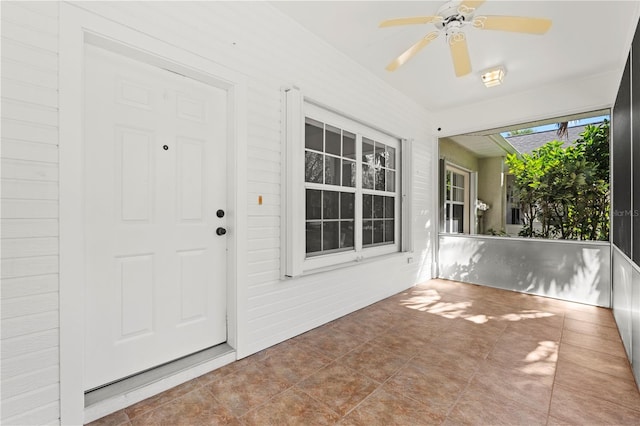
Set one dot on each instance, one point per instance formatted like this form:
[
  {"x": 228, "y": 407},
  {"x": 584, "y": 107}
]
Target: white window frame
[
  {"x": 466, "y": 203},
  {"x": 295, "y": 262}
]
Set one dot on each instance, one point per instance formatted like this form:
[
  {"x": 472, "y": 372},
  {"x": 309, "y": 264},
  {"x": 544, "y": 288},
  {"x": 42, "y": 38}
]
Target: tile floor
[{"x": 439, "y": 353}]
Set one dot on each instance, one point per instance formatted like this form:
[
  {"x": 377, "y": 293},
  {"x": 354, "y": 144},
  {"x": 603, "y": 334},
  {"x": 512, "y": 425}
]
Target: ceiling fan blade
[
  {"x": 410, "y": 21},
  {"x": 460, "y": 54},
  {"x": 517, "y": 24},
  {"x": 473, "y": 4},
  {"x": 411, "y": 52}
]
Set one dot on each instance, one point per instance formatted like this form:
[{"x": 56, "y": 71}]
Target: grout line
[{"x": 555, "y": 371}]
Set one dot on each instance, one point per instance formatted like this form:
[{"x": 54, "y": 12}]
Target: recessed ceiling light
[{"x": 493, "y": 77}]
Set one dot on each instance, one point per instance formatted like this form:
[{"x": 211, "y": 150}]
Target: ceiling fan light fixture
[{"x": 493, "y": 77}]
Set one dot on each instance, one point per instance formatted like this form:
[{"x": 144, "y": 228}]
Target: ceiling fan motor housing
[{"x": 452, "y": 13}]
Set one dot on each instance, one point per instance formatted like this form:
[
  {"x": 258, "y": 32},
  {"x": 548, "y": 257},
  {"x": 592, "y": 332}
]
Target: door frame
[{"x": 77, "y": 28}]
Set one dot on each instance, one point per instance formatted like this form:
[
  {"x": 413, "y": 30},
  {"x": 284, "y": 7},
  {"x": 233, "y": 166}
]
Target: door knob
[
  {"x": 221, "y": 231},
  {"x": 220, "y": 213}
]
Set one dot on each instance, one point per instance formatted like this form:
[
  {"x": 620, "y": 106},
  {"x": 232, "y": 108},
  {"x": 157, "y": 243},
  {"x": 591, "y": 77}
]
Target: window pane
[
  {"x": 314, "y": 237},
  {"x": 331, "y": 170},
  {"x": 391, "y": 181},
  {"x": 368, "y": 174},
  {"x": 367, "y": 206},
  {"x": 347, "y": 205},
  {"x": 458, "y": 218},
  {"x": 378, "y": 231},
  {"x": 389, "y": 231},
  {"x": 348, "y": 173},
  {"x": 391, "y": 157},
  {"x": 346, "y": 234},
  {"x": 389, "y": 208},
  {"x": 313, "y": 134},
  {"x": 458, "y": 194},
  {"x": 330, "y": 206},
  {"x": 367, "y": 151},
  {"x": 332, "y": 140},
  {"x": 348, "y": 145},
  {"x": 378, "y": 206},
  {"x": 380, "y": 179},
  {"x": 380, "y": 155},
  {"x": 314, "y": 204},
  {"x": 367, "y": 232},
  {"x": 330, "y": 235},
  {"x": 458, "y": 180},
  {"x": 312, "y": 167}
]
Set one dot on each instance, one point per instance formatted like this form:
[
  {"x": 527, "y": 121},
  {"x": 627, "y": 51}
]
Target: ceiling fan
[{"x": 451, "y": 18}]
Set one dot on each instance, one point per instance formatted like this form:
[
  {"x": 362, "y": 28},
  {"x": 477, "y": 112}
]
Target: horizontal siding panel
[
  {"x": 29, "y": 170},
  {"x": 29, "y": 306},
  {"x": 31, "y": 151},
  {"x": 28, "y": 247},
  {"x": 34, "y": 56},
  {"x": 29, "y": 209},
  {"x": 26, "y": 402},
  {"x": 24, "y": 345},
  {"x": 262, "y": 255},
  {"x": 265, "y": 188},
  {"x": 269, "y": 266},
  {"x": 264, "y": 243},
  {"x": 263, "y": 177},
  {"x": 28, "y": 267},
  {"x": 42, "y": 7},
  {"x": 46, "y": 415},
  {"x": 29, "y": 113},
  {"x": 263, "y": 222},
  {"x": 29, "y": 190},
  {"x": 23, "y": 365},
  {"x": 26, "y": 92},
  {"x": 29, "y": 36},
  {"x": 267, "y": 232},
  {"x": 25, "y": 131},
  {"x": 27, "y": 74},
  {"x": 29, "y": 382},
  {"x": 16, "y": 12},
  {"x": 29, "y": 228},
  {"x": 27, "y": 324},
  {"x": 28, "y": 286}
]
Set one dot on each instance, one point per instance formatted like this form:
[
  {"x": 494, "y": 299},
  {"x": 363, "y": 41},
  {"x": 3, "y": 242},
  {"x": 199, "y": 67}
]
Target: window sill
[{"x": 351, "y": 263}]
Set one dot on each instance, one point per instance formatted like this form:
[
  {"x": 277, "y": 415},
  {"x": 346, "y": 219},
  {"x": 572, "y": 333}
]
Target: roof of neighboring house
[{"x": 527, "y": 143}]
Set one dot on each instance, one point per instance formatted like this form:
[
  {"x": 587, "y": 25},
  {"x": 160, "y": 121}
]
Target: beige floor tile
[
  {"x": 292, "y": 407},
  {"x": 436, "y": 388},
  {"x": 385, "y": 408},
  {"x": 339, "y": 387},
  {"x": 330, "y": 342},
  {"x": 476, "y": 407},
  {"x": 374, "y": 362},
  {"x": 293, "y": 363},
  {"x": 609, "y": 364},
  {"x": 477, "y": 345},
  {"x": 595, "y": 343},
  {"x": 246, "y": 389},
  {"x": 572, "y": 407},
  {"x": 597, "y": 384},
  {"x": 524, "y": 353},
  {"x": 195, "y": 408},
  {"x": 119, "y": 418},
  {"x": 592, "y": 329},
  {"x": 498, "y": 383}
]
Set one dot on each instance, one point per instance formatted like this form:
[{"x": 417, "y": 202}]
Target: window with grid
[{"x": 351, "y": 189}]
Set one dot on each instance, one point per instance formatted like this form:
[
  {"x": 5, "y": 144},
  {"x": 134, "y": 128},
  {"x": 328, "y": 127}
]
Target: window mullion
[{"x": 358, "y": 201}]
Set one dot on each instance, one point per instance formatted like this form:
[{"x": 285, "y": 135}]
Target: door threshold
[{"x": 115, "y": 396}]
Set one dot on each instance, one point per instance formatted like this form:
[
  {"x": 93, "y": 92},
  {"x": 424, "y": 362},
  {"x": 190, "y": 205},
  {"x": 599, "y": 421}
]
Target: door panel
[{"x": 155, "y": 175}]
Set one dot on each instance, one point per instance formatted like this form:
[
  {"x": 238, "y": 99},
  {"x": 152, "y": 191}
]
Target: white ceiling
[{"x": 586, "y": 38}]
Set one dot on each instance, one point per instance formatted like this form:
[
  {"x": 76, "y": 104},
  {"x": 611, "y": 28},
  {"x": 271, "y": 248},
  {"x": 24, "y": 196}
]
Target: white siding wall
[
  {"x": 273, "y": 52},
  {"x": 30, "y": 390}
]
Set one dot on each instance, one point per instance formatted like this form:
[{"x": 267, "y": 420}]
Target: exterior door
[{"x": 155, "y": 177}]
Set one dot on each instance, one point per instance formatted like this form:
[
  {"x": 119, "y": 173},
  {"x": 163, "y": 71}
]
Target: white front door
[{"x": 154, "y": 188}]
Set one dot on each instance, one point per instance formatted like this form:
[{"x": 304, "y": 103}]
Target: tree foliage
[{"x": 565, "y": 190}]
